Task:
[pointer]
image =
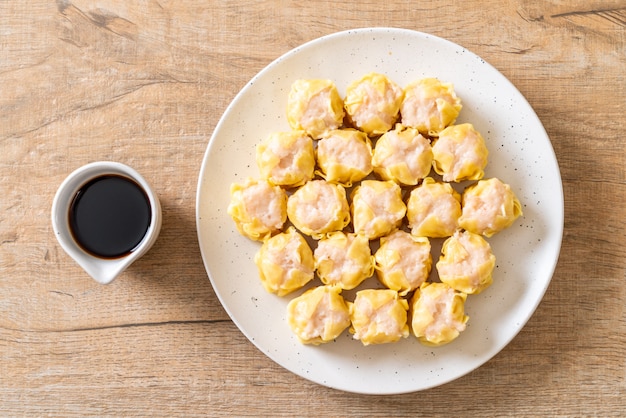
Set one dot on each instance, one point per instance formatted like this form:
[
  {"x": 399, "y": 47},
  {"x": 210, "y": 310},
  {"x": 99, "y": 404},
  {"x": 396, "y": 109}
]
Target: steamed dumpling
[
  {"x": 489, "y": 206},
  {"x": 344, "y": 260},
  {"x": 466, "y": 262},
  {"x": 344, "y": 156},
  {"x": 372, "y": 103},
  {"x": 433, "y": 209},
  {"x": 402, "y": 155},
  {"x": 258, "y": 208},
  {"x": 460, "y": 153},
  {"x": 437, "y": 313},
  {"x": 378, "y": 316},
  {"x": 285, "y": 262},
  {"x": 286, "y": 158},
  {"x": 319, "y": 207},
  {"x": 403, "y": 261},
  {"x": 377, "y": 208},
  {"x": 314, "y": 106},
  {"x": 429, "y": 106},
  {"x": 319, "y": 315}
]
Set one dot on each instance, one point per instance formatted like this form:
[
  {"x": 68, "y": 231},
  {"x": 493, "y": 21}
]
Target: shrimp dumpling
[
  {"x": 318, "y": 207},
  {"x": 402, "y": 155},
  {"x": 314, "y": 106},
  {"x": 466, "y": 263},
  {"x": 258, "y": 208},
  {"x": 285, "y": 262},
  {"x": 460, "y": 153},
  {"x": 344, "y": 156},
  {"x": 319, "y": 315},
  {"x": 286, "y": 158},
  {"x": 429, "y": 106},
  {"x": 437, "y": 314},
  {"x": 489, "y": 206},
  {"x": 377, "y": 208},
  {"x": 433, "y": 209},
  {"x": 372, "y": 103},
  {"x": 403, "y": 261},
  {"x": 378, "y": 316},
  {"x": 343, "y": 259}
]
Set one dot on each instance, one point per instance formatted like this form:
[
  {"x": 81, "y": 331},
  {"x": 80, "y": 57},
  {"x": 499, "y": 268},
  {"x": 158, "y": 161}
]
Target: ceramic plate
[{"x": 520, "y": 154}]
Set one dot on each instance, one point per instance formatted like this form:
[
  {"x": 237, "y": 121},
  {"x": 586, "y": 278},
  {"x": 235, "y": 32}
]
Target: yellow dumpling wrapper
[
  {"x": 437, "y": 314},
  {"x": 319, "y": 315},
  {"x": 460, "y": 153},
  {"x": 429, "y": 105},
  {"x": 466, "y": 262},
  {"x": 433, "y": 209},
  {"x": 377, "y": 208},
  {"x": 373, "y": 102},
  {"x": 378, "y": 316},
  {"x": 403, "y": 261},
  {"x": 285, "y": 262},
  {"x": 344, "y": 156},
  {"x": 402, "y": 155},
  {"x": 314, "y": 106},
  {"x": 319, "y": 207},
  {"x": 344, "y": 260},
  {"x": 489, "y": 206},
  {"x": 286, "y": 158},
  {"x": 258, "y": 208}
]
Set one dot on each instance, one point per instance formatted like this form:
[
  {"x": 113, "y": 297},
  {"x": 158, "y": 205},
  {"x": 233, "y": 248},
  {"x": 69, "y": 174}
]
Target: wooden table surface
[{"x": 144, "y": 83}]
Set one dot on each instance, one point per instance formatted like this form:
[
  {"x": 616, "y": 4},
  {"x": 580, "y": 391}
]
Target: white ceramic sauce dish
[{"x": 103, "y": 269}]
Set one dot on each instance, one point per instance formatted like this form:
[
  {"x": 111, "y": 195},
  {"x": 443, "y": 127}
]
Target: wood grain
[{"x": 145, "y": 82}]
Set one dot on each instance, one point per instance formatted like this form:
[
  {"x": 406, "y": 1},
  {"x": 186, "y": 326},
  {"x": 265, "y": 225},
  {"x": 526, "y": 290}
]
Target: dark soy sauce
[{"x": 109, "y": 216}]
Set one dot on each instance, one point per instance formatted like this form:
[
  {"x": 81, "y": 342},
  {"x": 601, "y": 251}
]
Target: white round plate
[{"x": 520, "y": 154}]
